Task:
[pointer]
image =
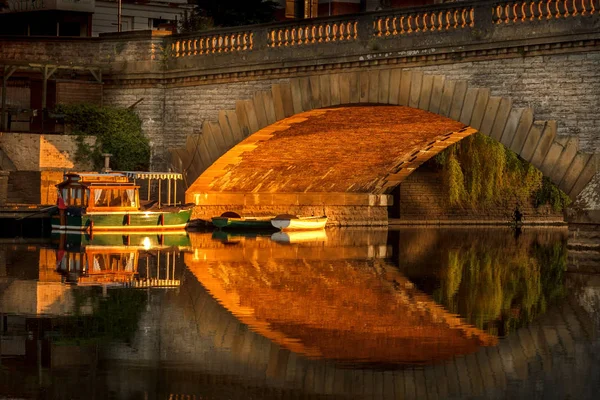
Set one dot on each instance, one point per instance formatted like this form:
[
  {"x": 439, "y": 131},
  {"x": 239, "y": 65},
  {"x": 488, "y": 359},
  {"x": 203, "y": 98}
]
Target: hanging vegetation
[
  {"x": 118, "y": 131},
  {"x": 479, "y": 171}
]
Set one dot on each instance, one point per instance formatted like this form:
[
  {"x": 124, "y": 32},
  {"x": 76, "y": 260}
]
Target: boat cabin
[{"x": 99, "y": 192}]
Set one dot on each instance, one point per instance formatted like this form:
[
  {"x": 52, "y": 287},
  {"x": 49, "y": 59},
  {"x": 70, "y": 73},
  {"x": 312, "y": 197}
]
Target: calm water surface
[{"x": 410, "y": 313}]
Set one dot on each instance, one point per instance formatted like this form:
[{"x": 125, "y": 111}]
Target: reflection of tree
[
  {"x": 500, "y": 289},
  {"x": 115, "y": 317}
]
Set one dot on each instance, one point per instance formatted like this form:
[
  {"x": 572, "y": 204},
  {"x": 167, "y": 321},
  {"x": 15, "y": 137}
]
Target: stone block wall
[
  {"x": 563, "y": 88},
  {"x": 3, "y": 187},
  {"x": 34, "y": 152},
  {"x": 33, "y": 187},
  {"x": 170, "y": 114},
  {"x": 423, "y": 200}
]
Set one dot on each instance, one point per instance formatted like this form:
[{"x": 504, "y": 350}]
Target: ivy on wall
[
  {"x": 118, "y": 131},
  {"x": 479, "y": 171}
]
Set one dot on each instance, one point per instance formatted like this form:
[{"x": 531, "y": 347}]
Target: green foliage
[
  {"x": 115, "y": 317},
  {"x": 479, "y": 171},
  {"x": 237, "y": 12},
  {"x": 118, "y": 131},
  {"x": 498, "y": 289},
  {"x": 552, "y": 195},
  {"x": 193, "y": 22}
]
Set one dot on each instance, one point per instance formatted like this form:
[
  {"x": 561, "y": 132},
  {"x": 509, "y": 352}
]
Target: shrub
[{"x": 118, "y": 131}]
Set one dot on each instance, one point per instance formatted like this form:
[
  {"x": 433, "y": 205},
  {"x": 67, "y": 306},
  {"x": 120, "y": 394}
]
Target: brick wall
[
  {"x": 564, "y": 88},
  {"x": 3, "y": 187},
  {"x": 58, "y": 152},
  {"x": 33, "y": 187},
  {"x": 78, "y": 92},
  {"x": 422, "y": 198},
  {"x": 34, "y": 152},
  {"x": 169, "y": 115}
]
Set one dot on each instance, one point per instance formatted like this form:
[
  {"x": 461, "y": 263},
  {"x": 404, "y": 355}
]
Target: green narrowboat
[{"x": 97, "y": 202}]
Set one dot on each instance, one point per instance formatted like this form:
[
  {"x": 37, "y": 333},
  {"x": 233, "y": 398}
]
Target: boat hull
[
  {"x": 120, "y": 221},
  {"x": 243, "y": 223},
  {"x": 293, "y": 224}
]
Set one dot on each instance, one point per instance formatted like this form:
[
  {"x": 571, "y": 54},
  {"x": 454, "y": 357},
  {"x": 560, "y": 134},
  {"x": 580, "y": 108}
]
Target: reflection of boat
[
  {"x": 154, "y": 241},
  {"x": 95, "y": 202},
  {"x": 231, "y": 220},
  {"x": 300, "y": 236},
  {"x": 114, "y": 259},
  {"x": 291, "y": 222},
  {"x": 237, "y": 236}
]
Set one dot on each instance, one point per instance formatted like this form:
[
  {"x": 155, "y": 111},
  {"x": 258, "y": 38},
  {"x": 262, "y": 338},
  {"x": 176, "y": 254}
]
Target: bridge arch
[{"x": 557, "y": 157}]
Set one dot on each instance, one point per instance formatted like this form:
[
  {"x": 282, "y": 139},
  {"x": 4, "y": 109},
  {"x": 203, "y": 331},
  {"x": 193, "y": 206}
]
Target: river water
[{"x": 424, "y": 313}]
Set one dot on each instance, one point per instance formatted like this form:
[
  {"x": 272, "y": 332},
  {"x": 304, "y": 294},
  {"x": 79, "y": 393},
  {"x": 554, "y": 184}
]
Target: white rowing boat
[{"x": 293, "y": 223}]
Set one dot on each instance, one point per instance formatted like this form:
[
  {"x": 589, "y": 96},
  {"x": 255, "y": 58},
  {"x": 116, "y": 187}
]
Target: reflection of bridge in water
[{"x": 190, "y": 336}]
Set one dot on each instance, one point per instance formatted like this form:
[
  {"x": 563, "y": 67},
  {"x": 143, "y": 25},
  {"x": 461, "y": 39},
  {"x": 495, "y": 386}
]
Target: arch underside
[{"x": 257, "y": 140}]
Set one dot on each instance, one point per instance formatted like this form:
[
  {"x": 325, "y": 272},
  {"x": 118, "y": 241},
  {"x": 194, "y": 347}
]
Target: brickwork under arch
[{"x": 559, "y": 158}]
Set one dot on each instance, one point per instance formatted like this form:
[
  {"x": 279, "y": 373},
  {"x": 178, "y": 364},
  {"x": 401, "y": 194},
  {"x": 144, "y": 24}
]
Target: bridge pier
[{"x": 342, "y": 209}]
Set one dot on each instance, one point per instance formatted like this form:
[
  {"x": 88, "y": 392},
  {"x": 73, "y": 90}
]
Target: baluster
[
  {"x": 293, "y": 35},
  {"x": 355, "y": 26},
  {"x": 401, "y": 23},
  {"x": 177, "y": 48},
  {"x": 455, "y": 16},
  {"x": 190, "y": 51},
  {"x": 409, "y": 23},
  {"x": 417, "y": 28},
  {"x": 463, "y": 17},
  {"x": 447, "y": 16},
  {"x": 472, "y": 17},
  {"x": 440, "y": 20},
  {"x": 583, "y": 8},
  {"x": 251, "y": 40},
  {"x": 568, "y": 12},
  {"x": 575, "y": 10},
  {"x": 378, "y": 28},
  {"x": 531, "y": 10},
  {"x": 556, "y": 7},
  {"x": 592, "y": 6},
  {"x": 549, "y": 13},
  {"x": 321, "y": 34},
  {"x": 313, "y": 34},
  {"x": 334, "y": 32}
]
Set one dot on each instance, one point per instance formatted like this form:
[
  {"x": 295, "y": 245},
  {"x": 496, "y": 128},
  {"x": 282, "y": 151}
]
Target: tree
[{"x": 237, "y": 12}]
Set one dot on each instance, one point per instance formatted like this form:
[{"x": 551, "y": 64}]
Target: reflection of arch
[
  {"x": 535, "y": 141},
  {"x": 289, "y": 299}
]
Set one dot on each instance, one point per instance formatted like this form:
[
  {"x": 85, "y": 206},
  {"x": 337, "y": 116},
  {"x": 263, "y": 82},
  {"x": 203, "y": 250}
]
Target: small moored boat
[
  {"x": 292, "y": 222},
  {"x": 231, "y": 220},
  {"x": 95, "y": 202}
]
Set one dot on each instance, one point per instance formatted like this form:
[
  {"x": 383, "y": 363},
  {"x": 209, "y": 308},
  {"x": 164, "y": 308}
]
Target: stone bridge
[{"x": 215, "y": 103}]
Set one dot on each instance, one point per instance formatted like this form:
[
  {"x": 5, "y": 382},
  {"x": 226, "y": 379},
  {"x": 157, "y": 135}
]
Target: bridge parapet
[{"x": 447, "y": 31}]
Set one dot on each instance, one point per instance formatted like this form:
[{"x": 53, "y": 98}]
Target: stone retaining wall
[{"x": 423, "y": 200}]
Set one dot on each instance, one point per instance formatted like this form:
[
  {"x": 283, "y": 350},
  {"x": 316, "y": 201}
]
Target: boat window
[
  {"x": 114, "y": 198},
  {"x": 75, "y": 198}
]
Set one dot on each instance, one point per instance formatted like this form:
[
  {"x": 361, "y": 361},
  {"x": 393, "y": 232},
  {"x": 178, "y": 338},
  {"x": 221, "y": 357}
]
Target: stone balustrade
[
  {"x": 312, "y": 32},
  {"x": 424, "y": 20},
  {"x": 524, "y": 11},
  {"x": 213, "y": 42}
]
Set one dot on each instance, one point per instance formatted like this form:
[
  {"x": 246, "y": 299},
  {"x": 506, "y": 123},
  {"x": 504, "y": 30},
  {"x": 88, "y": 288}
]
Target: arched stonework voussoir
[{"x": 558, "y": 158}]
